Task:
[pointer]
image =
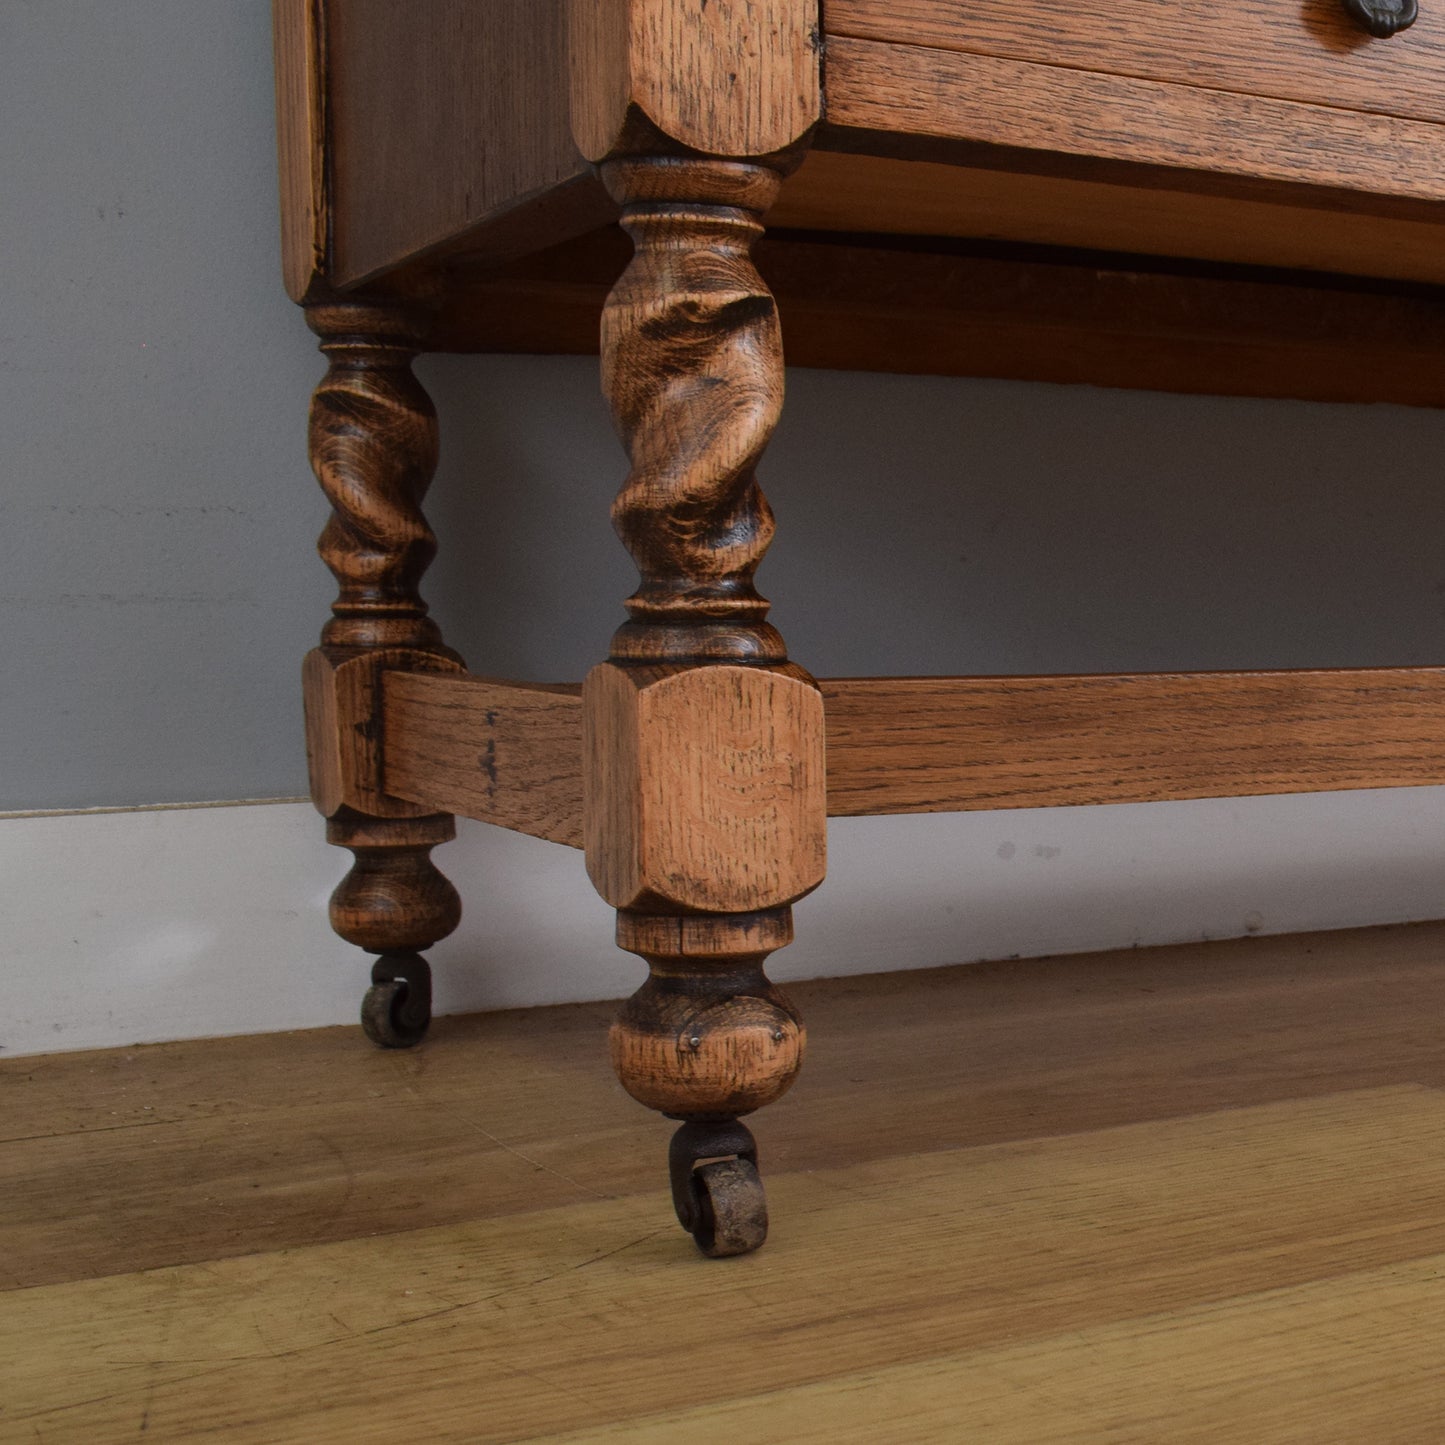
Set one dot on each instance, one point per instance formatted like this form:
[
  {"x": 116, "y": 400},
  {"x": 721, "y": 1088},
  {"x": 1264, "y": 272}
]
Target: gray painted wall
[{"x": 159, "y": 584}]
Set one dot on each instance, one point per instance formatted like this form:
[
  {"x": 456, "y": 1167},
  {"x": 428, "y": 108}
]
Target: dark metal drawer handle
[{"x": 1383, "y": 18}]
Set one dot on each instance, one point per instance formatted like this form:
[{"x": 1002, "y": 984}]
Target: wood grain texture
[
  {"x": 839, "y": 191},
  {"x": 894, "y": 745},
  {"x": 1197, "y": 1188},
  {"x": 373, "y": 447},
  {"x": 1269, "y": 1366},
  {"x": 1070, "y": 1283},
  {"x": 508, "y": 753},
  {"x": 867, "y": 304},
  {"x": 393, "y": 900},
  {"x": 709, "y": 1034},
  {"x": 450, "y": 130},
  {"x": 446, "y": 120},
  {"x": 300, "y": 52},
  {"x": 1104, "y": 321},
  {"x": 1014, "y": 114},
  {"x": 732, "y": 78},
  {"x": 345, "y": 728},
  {"x": 703, "y": 783},
  {"x": 692, "y": 369},
  {"x": 703, "y": 788},
  {"x": 923, "y": 745},
  {"x": 1310, "y": 50},
  {"x": 149, "y": 1157}
]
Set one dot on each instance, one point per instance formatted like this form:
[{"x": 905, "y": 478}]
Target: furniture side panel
[{"x": 443, "y": 120}]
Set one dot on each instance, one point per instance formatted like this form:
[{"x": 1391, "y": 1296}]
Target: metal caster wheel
[
  {"x": 716, "y": 1188},
  {"x": 396, "y": 1011},
  {"x": 732, "y": 1211}
]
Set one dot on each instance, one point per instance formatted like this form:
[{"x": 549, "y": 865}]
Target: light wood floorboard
[{"x": 1160, "y": 1195}]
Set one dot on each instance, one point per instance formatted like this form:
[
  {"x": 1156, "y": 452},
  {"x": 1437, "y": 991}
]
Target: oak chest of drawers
[{"x": 1240, "y": 198}]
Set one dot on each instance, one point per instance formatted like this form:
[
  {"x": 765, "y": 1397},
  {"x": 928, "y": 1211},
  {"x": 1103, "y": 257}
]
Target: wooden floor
[{"x": 1190, "y": 1194}]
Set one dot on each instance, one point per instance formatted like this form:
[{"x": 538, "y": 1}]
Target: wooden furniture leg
[
  {"x": 704, "y": 796},
  {"x": 373, "y": 445}
]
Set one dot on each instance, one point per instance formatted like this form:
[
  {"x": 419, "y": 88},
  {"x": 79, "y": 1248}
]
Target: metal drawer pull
[{"x": 1382, "y": 18}]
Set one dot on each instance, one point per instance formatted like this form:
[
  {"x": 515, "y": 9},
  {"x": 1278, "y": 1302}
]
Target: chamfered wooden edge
[
  {"x": 344, "y": 741},
  {"x": 722, "y": 80},
  {"x": 511, "y": 753},
  {"x": 703, "y": 787},
  {"x": 299, "y": 43},
  {"x": 873, "y": 303}
]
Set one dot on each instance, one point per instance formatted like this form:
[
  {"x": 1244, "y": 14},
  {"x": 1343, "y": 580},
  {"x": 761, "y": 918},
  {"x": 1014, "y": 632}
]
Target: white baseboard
[{"x": 136, "y": 926}]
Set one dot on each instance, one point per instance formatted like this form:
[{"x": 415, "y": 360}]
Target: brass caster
[
  {"x": 396, "y": 1011},
  {"x": 716, "y": 1188}
]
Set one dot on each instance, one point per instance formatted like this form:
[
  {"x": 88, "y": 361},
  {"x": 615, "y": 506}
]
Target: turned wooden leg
[
  {"x": 373, "y": 443},
  {"x": 704, "y": 781}
]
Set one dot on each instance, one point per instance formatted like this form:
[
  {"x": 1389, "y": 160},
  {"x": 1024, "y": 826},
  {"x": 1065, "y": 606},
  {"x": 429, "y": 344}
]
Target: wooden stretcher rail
[
  {"x": 511, "y": 753},
  {"x": 949, "y": 744},
  {"x": 503, "y": 752}
]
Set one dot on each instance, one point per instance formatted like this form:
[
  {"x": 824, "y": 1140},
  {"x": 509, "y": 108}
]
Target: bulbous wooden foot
[
  {"x": 707, "y": 1038},
  {"x": 394, "y": 902}
]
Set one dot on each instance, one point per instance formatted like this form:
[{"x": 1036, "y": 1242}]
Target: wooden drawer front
[
  {"x": 919, "y": 102},
  {"x": 1302, "y": 50}
]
